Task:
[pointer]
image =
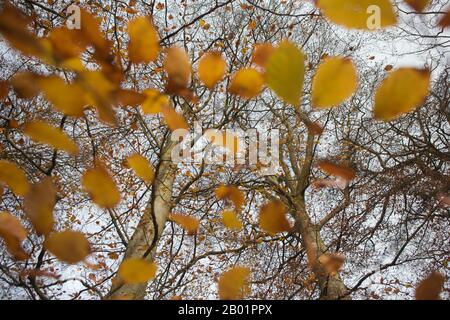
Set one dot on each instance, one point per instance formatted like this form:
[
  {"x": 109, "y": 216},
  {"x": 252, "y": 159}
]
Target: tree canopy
[{"x": 231, "y": 149}]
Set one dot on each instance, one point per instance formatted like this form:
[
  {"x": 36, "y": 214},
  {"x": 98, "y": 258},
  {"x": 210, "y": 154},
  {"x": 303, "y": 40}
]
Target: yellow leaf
[
  {"x": 67, "y": 98},
  {"x": 173, "y": 119},
  {"x": 39, "y": 203},
  {"x": 233, "y": 284},
  {"x": 418, "y": 5},
  {"x": 101, "y": 187},
  {"x": 144, "y": 40},
  {"x": 99, "y": 92},
  {"x": 231, "y": 221},
  {"x": 272, "y": 218},
  {"x": 401, "y": 92},
  {"x": 136, "y": 270},
  {"x": 285, "y": 71},
  {"x": 204, "y": 25},
  {"x": 335, "y": 81},
  {"x": 359, "y": 14},
  {"x": 431, "y": 287},
  {"x": 14, "y": 178},
  {"x": 141, "y": 167},
  {"x": 190, "y": 224},
  {"x": 178, "y": 68},
  {"x": 68, "y": 246},
  {"x": 13, "y": 233},
  {"x": 246, "y": 83},
  {"x": 154, "y": 101},
  {"x": 211, "y": 69},
  {"x": 45, "y": 133},
  {"x": 231, "y": 193}
]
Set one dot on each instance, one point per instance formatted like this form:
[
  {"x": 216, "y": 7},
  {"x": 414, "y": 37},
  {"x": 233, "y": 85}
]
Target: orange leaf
[
  {"x": 231, "y": 193},
  {"x": 39, "y": 203},
  {"x": 68, "y": 246},
  {"x": 190, "y": 224},
  {"x": 101, "y": 187},
  {"x": 14, "y": 177},
  {"x": 144, "y": 40},
  {"x": 154, "y": 101},
  {"x": 141, "y": 167},
  {"x": 136, "y": 270},
  {"x": 418, "y": 5},
  {"x": 178, "y": 68},
  {"x": 272, "y": 218},
  {"x": 233, "y": 284},
  {"x": 99, "y": 92},
  {"x": 67, "y": 98},
  {"x": 13, "y": 233},
  {"x": 26, "y": 84},
  {"x": 45, "y": 133},
  {"x": 390, "y": 99},
  {"x": 211, "y": 69},
  {"x": 4, "y": 87},
  {"x": 14, "y": 28},
  {"x": 332, "y": 262},
  {"x": 231, "y": 221},
  {"x": 445, "y": 20},
  {"x": 337, "y": 170},
  {"x": 126, "y": 97},
  {"x": 261, "y": 54},
  {"x": 173, "y": 119},
  {"x": 246, "y": 83}
]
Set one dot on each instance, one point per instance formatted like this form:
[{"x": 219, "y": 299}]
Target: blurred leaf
[
  {"x": 144, "y": 40},
  {"x": 141, "y": 167},
  {"x": 401, "y": 92},
  {"x": 45, "y": 133},
  {"x": 285, "y": 70},
  {"x": 355, "y": 14},
  {"x": 101, "y": 187},
  {"x": 39, "y": 203},
  {"x": 68, "y": 246},
  {"x": 334, "y": 82},
  {"x": 211, "y": 69},
  {"x": 190, "y": 224},
  {"x": 246, "y": 83},
  {"x": 13, "y": 233},
  {"x": 233, "y": 284},
  {"x": 430, "y": 288},
  {"x": 272, "y": 218},
  {"x": 136, "y": 270},
  {"x": 231, "y": 193},
  {"x": 231, "y": 221},
  {"x": 14, "y": 178}
]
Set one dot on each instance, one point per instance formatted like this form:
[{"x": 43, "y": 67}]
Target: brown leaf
[
  {"x": 431, "y": 287},
  {"x": 337, "y": 170}
]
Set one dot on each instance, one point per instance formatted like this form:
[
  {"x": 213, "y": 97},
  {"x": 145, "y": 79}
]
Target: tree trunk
[
  {"x": 144, "y": 237},
  {"x": 331, "y": 286}
]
